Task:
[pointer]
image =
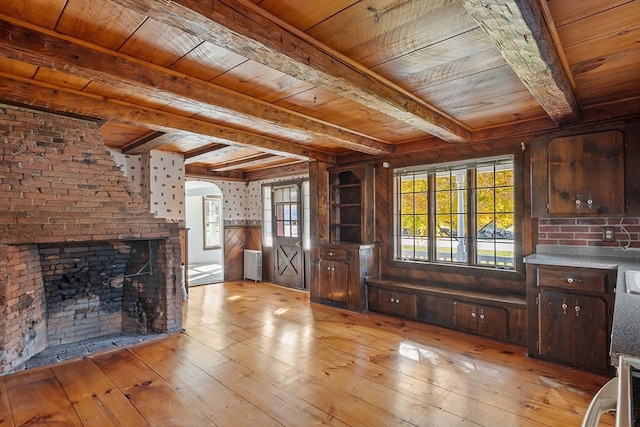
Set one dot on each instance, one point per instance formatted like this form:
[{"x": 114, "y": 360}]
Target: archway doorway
[{"x": 205, "y": 257}]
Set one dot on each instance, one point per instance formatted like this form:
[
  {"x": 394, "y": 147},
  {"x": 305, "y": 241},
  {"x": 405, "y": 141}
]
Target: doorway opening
[{"x": 204, "y": 222}]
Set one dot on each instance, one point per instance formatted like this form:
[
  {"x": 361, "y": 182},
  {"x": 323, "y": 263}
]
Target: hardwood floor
[{"x": 255, "y": 354}]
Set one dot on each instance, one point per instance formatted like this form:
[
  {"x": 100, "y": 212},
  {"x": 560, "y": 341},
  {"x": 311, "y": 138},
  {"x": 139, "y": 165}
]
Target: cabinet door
[
  {"x": 586, "y": 174},
  {"x": 436, "y": 310},
  {"x": 493, "y": 321},
  {"x": 466, "y": 316},
  {"x": 483, "y": 319},
  {"x": 399, "y": 303},
  {"x": 333, "y": 276},
  {"x": 340, "y": 281},
  {"x": 554, "y": 314},
  {"x": 589, "y": 343},
  {"x": 325, "y": 278}
]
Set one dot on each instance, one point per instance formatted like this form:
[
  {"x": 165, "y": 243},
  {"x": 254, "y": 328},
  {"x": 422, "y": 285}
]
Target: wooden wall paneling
[
  {"x": 253, "y": 238},
  {"x": 384, "y": 211},
  {"x": 631, "y": 168},
  {"x": 319, "y": 209},
  {"x": 234, "y": 245}
]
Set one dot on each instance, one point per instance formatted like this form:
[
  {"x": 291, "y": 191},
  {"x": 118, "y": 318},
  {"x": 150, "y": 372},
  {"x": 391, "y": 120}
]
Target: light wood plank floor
[{"x": 255, "y": 354}]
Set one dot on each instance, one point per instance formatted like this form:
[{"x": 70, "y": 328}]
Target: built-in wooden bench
[{"x": 499, "y": 316}]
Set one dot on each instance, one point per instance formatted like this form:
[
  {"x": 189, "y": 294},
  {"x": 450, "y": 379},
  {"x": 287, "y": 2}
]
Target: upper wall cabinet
[{"x": 579, "y": 175}]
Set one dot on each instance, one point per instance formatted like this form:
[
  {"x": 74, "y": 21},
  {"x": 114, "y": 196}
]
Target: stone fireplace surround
[{"x": 80, "y": 254}]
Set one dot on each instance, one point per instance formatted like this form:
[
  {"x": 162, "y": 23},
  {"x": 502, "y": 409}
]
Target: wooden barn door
[{"x": 287, "y": 222}]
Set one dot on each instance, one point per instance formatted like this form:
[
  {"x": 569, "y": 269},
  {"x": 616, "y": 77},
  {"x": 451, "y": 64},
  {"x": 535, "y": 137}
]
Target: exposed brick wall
[
  {"x": 59, "y": 184},
  {"x": 588, "y": 231},
  {"x": 22, "y": 324}
]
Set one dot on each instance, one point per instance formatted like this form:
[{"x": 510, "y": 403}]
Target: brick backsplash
[{"x": 588, "y": 231}]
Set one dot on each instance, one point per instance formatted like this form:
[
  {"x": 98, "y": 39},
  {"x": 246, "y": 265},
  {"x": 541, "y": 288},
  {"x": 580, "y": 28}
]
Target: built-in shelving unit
[{"x": 351, "y": 204}]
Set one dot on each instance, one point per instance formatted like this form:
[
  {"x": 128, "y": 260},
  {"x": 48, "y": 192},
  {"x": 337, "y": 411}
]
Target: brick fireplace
[{"x": 81, "y": 254}]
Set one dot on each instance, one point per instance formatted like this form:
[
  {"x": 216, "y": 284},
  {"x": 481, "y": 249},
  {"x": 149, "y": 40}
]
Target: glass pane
[
  {"x": 485, "y": 201},
  {"x": 294, "y": 212},
  {"x": 277, "y": 195},
  {"x": 421, "y": 203},
  {"x": 279, "y": 212},
  {"x": 279, "y": 228},
  {"x": 504, "y": 177},
  {"x": 212, "y": 213},
  {"x": 294, "y": 228},
  {"x": 443, "y": 183},
  {"x": 504, "y": 199},
  {"x": 485, "y": 178},
  {"x": 407, "y": 225},
  {"x": 294, "y": 194},
  {"x": 406, "y": 201},
  {"x": 287, "y": 229},
  {"x": 306, "y": 214},
  {"x": 267, "y": 230},
  {"x": 287, "y": 212}
]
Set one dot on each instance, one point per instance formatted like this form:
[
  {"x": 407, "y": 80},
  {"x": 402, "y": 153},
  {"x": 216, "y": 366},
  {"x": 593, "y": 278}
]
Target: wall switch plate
[{"x": 608, "y": 234}]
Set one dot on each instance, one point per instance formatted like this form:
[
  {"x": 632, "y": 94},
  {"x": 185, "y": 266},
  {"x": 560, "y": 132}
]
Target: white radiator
[{"x": 253, "y": 265}]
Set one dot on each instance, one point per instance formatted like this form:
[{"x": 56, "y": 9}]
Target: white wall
[
  {"x": 131, "y": 167},
  {"x": 159, "y": 178},
  {"x": 163, "y": 183},
  {"x": 195, "y": 222}
]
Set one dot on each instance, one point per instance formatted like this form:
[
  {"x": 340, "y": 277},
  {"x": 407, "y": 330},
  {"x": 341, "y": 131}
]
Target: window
[
  {"x": 457, "y": 214},
  {"x": 212, "y": 209},
  {"x": 285, "y": 205},
  {"x": 267, "y": 223}
]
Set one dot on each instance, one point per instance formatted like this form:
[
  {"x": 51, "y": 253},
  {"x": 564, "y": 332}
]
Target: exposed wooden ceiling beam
[
  {"x": 192, "y": 156},
  {"x": 46, "y": 96},
  {"x": 194, "y": 171},
  {"x": 287, "y": 170},
  {"x": 244, "y": 29},
  {"x": 240, "y": 163},
  {"x": 151, "y": 142},
  {"x": 45, "y": 48},
  {"x": 519, "y": 30}
]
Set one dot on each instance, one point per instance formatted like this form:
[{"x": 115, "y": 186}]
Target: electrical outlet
[{"x": 608, "y": 234}]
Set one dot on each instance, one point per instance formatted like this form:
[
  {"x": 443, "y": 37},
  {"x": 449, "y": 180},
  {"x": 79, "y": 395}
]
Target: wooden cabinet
[
  {"x": 437, "y": 310},
  {"x": 333, "y": 273},
  {"x": 500, "y": 317},
  {"x": 393, "y": 302},
  {"x": 579, "y": 175},
  {"x": 482, "y": 319},
  {"x": 351, "y": 203},
  {"x": 338, "y": 277},
  {"x": 570, "y": 315}
]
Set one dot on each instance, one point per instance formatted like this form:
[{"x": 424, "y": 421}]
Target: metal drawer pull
[
  {"x": 571, "y": 280},
  {"x": 564, "y": 307},
  {"x": 577, "y": 308}
]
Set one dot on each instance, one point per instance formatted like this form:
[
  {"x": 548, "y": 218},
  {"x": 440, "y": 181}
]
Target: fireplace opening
[
  {"x": 66, "y": 296},
  {"x": 95, "y": 289}
]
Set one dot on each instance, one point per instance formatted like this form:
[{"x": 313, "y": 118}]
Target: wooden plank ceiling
[{"x": 252, "y": 89}]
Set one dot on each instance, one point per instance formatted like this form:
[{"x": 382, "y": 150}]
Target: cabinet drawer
[
  {"x": 334, "y": 254},
  {"x": 572, "y": 279}
]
